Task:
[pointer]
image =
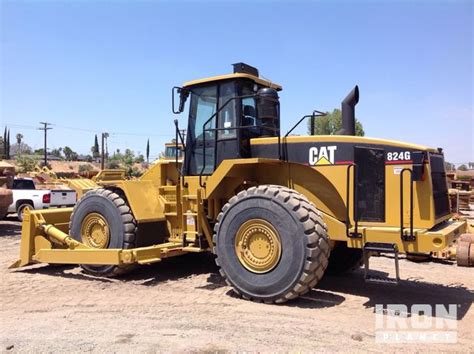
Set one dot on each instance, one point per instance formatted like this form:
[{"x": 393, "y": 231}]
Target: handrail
[
  {"x": 215, "y": 137},
  {"x": 355, "y": 211},
  {"x": 230, "y": 128},
  {"x": 312, "y": 116},
  {"x": 178, "y": 133},
  {"x": 233, "y": 128},
  {"x": 411, "y": 236}
]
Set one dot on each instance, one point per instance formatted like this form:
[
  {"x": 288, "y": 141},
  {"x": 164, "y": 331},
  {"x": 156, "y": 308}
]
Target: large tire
[
  {"x": 344, "y": 259},
  {"x": 120, "y": 222},
  {"x": 21, "y": 208},
  {"x": 303, "y": 239}
]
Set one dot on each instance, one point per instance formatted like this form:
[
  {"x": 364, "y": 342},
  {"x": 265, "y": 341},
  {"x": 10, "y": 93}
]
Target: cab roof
[{"x": 254, "y": 78}]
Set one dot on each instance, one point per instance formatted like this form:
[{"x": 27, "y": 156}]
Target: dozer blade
[
  {"x": 33, "y": 236},
  {"x": 45, "y": 239}
]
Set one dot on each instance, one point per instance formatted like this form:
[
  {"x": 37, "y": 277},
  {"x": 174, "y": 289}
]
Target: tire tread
[
  {"x": 130, "y": 227},
  {"x": 317, "y": 242}
]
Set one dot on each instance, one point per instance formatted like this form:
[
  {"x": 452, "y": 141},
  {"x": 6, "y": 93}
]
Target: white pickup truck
[{"x": 25, "y": 195}]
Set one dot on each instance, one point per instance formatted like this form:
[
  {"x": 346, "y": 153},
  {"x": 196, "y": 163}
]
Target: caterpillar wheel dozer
[{"x": 278, "y": 211}]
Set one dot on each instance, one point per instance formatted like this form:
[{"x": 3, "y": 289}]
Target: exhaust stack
[{"x": 348, "y": 112}]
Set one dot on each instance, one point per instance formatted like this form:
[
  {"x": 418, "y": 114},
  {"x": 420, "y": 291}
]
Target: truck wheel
[
  {"x": 271, "y": 244},
  {"x": 344, "y": 259},
  {"x": 102, "y": 219},
  {"x": 21, "y": 208}
]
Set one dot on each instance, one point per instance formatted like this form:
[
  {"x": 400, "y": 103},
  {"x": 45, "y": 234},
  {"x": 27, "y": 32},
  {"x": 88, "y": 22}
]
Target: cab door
[{"x": 201, "y": 138}]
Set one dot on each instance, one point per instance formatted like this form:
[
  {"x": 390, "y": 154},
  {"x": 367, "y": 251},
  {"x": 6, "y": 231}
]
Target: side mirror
[{"x": 183, "y": 96}]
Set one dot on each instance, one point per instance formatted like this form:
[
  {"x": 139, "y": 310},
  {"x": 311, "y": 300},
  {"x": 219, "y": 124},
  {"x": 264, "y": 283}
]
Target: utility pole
[
  {"x": 102, "y": 159},
  {"x": 45, "y": 128}
]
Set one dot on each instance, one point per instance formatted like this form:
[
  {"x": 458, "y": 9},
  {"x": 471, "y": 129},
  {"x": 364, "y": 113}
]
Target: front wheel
[
  {"x": 102, "y": 219},
  {"x": 271, "y": 244}
]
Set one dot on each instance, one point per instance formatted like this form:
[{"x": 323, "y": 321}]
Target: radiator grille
[{"x": 440, "y": 187}]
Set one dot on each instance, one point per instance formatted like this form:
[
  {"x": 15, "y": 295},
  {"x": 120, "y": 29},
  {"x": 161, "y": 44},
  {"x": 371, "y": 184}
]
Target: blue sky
[{"x": 92, "y": 66}]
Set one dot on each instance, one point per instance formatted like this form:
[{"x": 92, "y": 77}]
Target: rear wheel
[
  {"x": 20, "y": 209},
  {"x": 271, "y": 244},
  {"x": 101, "y": 219}
]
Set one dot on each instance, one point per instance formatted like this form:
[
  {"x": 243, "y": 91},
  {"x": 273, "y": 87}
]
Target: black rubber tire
[
  {"x": 19, "y": 209},
  {"x": 305, "y": 245},
  {"x": 418, "y": 257},
  {"x": 344, "y": 259},
  {"x": 122, "y": 224}
]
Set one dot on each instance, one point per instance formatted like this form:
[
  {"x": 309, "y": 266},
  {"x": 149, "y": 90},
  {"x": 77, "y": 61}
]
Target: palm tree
[{"x": 18, "y": 140}]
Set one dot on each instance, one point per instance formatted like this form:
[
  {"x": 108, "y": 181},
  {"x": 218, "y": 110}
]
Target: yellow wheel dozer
[{"x": 277, "y": 210}]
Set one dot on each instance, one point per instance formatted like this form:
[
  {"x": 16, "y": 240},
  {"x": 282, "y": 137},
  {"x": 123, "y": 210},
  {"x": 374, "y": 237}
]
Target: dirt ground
[{"x": 182, "y": 304}]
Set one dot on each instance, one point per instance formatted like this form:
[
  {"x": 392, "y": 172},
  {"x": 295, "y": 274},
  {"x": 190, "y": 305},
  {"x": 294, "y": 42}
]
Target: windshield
[
  {"x": 170, "y": 151},
  {"x": 203, "y": 106}
]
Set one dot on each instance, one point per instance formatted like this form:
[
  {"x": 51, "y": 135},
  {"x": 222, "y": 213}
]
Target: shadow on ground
[
  {"x": 171, "y": 269},
  {"x": 10, "y": 226},
  {"x": 329, "y": 292},
  {"x": 407, "y": 292}
]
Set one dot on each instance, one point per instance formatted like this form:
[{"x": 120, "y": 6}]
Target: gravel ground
[{"x": 183, "y": 304}]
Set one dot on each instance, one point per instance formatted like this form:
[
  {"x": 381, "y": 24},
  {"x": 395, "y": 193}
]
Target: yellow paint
[
  {"x": 341, "y": 139},
  {"x": 258, "y": 246},
  {"x": 231, "y": 77},
  {"x": 323, "y": 161}
]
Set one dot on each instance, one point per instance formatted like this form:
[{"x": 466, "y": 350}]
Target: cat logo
[{"x": 323, "y": 155}]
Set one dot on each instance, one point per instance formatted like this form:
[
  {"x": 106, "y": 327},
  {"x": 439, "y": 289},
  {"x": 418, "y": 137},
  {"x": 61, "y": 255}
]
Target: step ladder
[
  {"x": 380, "y": 248},
  {"x": 169, "y": 193},
  {"x": 189, "y": 221}
]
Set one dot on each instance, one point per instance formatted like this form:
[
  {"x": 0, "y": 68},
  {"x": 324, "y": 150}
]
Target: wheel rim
[
  {"x": 258, "y": 246},
  {"x": 95, "y": 231}
]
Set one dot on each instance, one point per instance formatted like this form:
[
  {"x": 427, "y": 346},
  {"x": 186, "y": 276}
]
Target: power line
[{"x": 97, "y": 131}]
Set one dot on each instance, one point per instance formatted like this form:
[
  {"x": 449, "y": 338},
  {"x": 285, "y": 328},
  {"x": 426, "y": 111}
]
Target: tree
[
  {"x": 7, "y": 145},
  {"x": 128, "y": 157},
  {"x": 18, "y": 149},
  {"x": 69, "y": 154},
  {"x": 26, "y": 164},
  {"x": 448, "y": 166},
  {"x": 463, "y": 167},
  {"x": 84, "y": 168},
  {"x": 148, "y": 151},
  {"x": 332, "y": 123},
  {"x": 139, "y": 159},
  {"x": 18, "y": 138},
  {"x": 95, "y": 148},
  {"x": 57, "y": 152}
]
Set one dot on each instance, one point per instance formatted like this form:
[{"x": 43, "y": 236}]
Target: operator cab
[{"x": 225, "y": 112}]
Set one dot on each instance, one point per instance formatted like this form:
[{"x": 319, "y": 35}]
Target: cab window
[
  {"x": 227, "y": 121},
  {"x": 23, "y": 184},
  {"x": 249, "y": 107},
  {"x": 204, "y": 105}
]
